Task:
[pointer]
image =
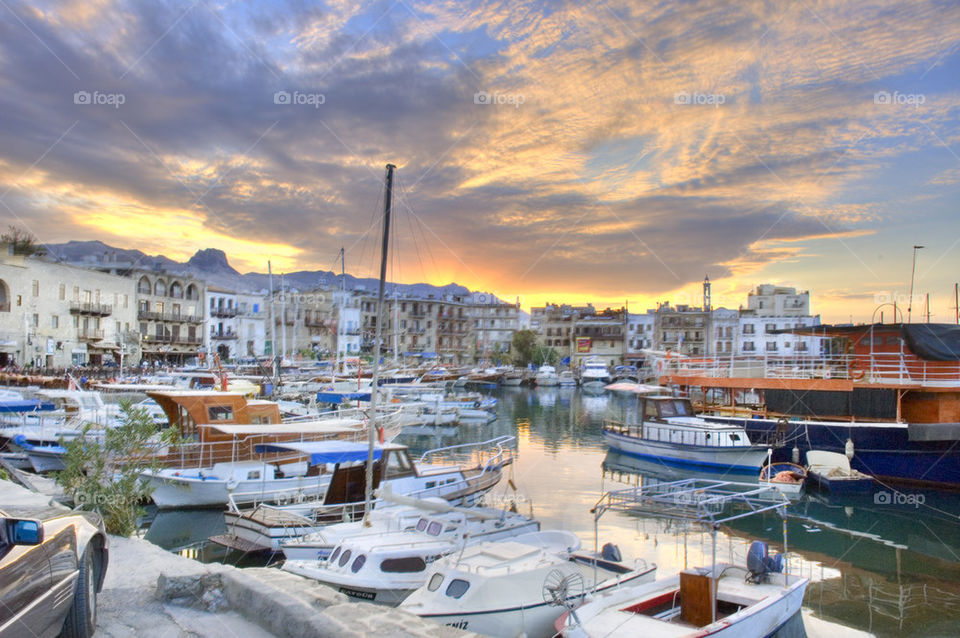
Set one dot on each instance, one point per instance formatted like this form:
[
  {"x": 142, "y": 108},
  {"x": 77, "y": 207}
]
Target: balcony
[
  {"x": 174, "y": 317},
  {"x": 92, "y": 309},
  {"x": 89, "y": 335},
  {"x": 225, "y": 313},
  {"x": 226, "y": 334},
  {"x": 152, "y": 339},
  {"x": 184, "y": 340}
]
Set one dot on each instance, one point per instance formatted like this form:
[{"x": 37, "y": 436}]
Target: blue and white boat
[{"x": 666, "y": 428}]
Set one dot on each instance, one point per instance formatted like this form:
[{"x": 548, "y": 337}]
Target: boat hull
[
  {"x": 747, "y": 459},
  {"x": 176, "y": 492},
  {"x": 882, "y": 450},
  {"x": 841, "y": 486}
]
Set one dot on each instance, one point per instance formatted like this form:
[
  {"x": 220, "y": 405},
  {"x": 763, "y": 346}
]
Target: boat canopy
[
  {"x": 328, "y": 426},
  {"x": 326, "y": 451},
  {"x": 25, "y": 405}
]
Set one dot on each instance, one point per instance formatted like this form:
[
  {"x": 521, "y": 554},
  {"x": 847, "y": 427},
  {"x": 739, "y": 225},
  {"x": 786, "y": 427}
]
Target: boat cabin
[
  {"x": 188, "y": 409},
  {"x": 672, "y": 420}
]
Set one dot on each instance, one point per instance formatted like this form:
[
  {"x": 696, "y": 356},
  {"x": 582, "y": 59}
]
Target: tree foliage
[
  {"x": 102, "y": 470},
  {"x": 523, "y": 347},
  {"x": 22, "y": 241}
]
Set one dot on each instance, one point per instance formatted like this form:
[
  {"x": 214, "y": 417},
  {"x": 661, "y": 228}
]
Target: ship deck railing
[{"x": 877, "y": 368}]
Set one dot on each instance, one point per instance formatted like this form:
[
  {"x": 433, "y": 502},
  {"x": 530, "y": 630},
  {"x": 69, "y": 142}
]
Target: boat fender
[
  {"x": 231, "y": 483},
  {"x": 848, "y": 449},
  {"x": 795, "y": 455},
  {"x": 611, "y": 553}
]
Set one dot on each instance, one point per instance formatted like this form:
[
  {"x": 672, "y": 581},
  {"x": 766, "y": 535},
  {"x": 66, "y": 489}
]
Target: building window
[
  {"x": 770, "y": 327},
  {"x": 36, "y": 288},
  {"x": 748, "y": 329},
  {"x": 54, "y": 321},
  {"x": 771, "y": 346},
  {"x": 126, "y": 301},
  {"x": 748, "y": 346},
  {"x": 36, "y": 320},
  {"x": 63, "y": 292}
]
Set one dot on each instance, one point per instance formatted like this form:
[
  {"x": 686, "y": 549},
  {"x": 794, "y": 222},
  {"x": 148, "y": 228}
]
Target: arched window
[
  {"x": 4, "y": 297},
  {"x": 176, "y": 290},
  {"x": 159, "y": 288},
  {"x": 143, "y": 286},
  {"x": 193, "y": 292}
]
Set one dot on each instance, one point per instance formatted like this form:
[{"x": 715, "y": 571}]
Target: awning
[
  {"x": 324, "y": 451},
  {"x": 329, "y": 426},
  {"x": 933, "y": 341}
]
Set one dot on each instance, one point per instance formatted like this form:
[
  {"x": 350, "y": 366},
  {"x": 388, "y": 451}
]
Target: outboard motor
[
  {"x": 760, "y": 563},
  {"x": 611, "y": 553}
]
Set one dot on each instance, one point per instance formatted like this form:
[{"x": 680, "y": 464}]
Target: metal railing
[
  {"x": 877, "y": 368},
  {"x": 88, "y": 308}
]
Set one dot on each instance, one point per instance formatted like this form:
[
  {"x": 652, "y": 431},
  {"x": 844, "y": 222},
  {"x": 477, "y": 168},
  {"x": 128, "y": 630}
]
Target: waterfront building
[
  {"x": 639, "y": 337},
  {"x": 170, "y": 315},
  {"x": 493, "y": 322},
  {"x": 601, "y": 336},
  {"x": 771, "y": 309},
  {"x": 56, "y": 315},
  {"x": 252, "y": 324},
  {"x": 554, "y": 325},
  {"x": 223, "y": 329}
]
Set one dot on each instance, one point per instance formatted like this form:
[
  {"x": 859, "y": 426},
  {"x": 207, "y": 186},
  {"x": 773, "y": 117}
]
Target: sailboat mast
[
  {"x": 273, "y": 332},
  {"x": 371, "y": 434}
]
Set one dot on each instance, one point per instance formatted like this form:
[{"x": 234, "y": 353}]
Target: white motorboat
[
  {"x": 666, "y": 428},
  {"x": 567, "y": 379},
  {"x": 519, "y": 586},
  {"x": 513, "y": 377},
  {"x": 385, "y": 567},
  {"x": 546, "y": 376},
  {"x": 594, "y": 373}
]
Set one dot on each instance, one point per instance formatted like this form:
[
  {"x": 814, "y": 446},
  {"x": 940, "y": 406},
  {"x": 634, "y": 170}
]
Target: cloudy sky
[{"x": 607, "y": 152}]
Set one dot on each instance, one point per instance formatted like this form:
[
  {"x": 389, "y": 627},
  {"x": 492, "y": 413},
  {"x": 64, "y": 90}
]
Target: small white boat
[
  {"x": 733, "y": 601},
  {"x": 546, "y": 376},
  {"x": 680, "y": 606},
  {"x": 520, "y": 586},
  {"x": 831, "y": 471},
  {"x": 594, "y": 373},
  {"x": 786, "y": 477},
  {"x": 567, "y": 379}
]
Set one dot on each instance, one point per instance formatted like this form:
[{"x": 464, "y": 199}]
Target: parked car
[{"x": 52, "y": 565}]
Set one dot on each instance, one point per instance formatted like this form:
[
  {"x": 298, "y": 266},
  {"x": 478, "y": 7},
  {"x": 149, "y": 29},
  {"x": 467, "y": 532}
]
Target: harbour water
[{"x": 888, "y": 563}]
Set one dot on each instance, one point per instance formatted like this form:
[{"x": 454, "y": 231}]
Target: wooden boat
[{"x": 892, "y": 399}]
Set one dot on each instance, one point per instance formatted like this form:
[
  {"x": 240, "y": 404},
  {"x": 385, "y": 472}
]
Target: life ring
[{"x": 856, "y": 375}]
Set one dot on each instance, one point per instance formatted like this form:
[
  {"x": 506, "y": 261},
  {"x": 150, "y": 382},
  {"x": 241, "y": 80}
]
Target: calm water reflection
[{"x": 892, "y": 570}]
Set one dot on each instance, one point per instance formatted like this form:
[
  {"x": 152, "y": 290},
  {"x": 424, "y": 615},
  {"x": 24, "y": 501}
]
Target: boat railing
[
  {"x": 646, "y": 430},
  {"x": 493, "y": 452},
  {"x": 879, "y": 368}
]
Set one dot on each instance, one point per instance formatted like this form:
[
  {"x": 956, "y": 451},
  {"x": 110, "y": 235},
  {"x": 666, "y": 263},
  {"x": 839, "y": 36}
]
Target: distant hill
[{"x": 211, "y": 265}]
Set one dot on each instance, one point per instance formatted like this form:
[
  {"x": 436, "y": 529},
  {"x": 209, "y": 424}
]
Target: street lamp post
[{"x": 913, "y": 270}]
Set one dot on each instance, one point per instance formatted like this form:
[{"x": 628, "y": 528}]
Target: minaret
[
  {"x": 708, "y": 334},
  {"x": 706, "y": 293}
]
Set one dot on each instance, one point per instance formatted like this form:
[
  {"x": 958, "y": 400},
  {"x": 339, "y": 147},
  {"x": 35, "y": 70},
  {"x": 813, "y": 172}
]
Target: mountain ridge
[{"x": 212, "y": 265}]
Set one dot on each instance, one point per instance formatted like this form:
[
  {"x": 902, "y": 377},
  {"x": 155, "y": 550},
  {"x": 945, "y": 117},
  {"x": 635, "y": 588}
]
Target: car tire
[{"x": 81, "y": 620}]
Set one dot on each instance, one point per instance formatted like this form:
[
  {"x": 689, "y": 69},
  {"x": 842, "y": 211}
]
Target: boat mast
[
  {"x": 336, "y": 367},
  {"x": 371, "y": 434},
  {"x": 273, "y": 332}
]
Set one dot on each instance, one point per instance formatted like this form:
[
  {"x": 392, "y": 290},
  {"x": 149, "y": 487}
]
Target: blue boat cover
[
  {"x": 324, "y": 451},
  {"x": 340, "y": 397},
  {"x": 26, "y": 405},
  {"x": 933, "y": 341},
  {"x": 21, "y": 442}
]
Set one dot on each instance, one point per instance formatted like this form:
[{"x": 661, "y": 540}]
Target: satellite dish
[{"x": 560, "y": 589}]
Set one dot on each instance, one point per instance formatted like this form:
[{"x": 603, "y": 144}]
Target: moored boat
[
  {"x": 831, "y": 472},
  {"x": 666, "y": 428}
]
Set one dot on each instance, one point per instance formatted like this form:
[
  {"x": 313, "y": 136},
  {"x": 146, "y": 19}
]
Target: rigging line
[
  {"x": 423, "y": 234},
  {"x": 413, "y": 235}
]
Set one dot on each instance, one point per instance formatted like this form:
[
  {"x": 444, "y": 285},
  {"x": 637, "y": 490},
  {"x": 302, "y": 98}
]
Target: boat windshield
[{"x": 682, "y": 408}]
